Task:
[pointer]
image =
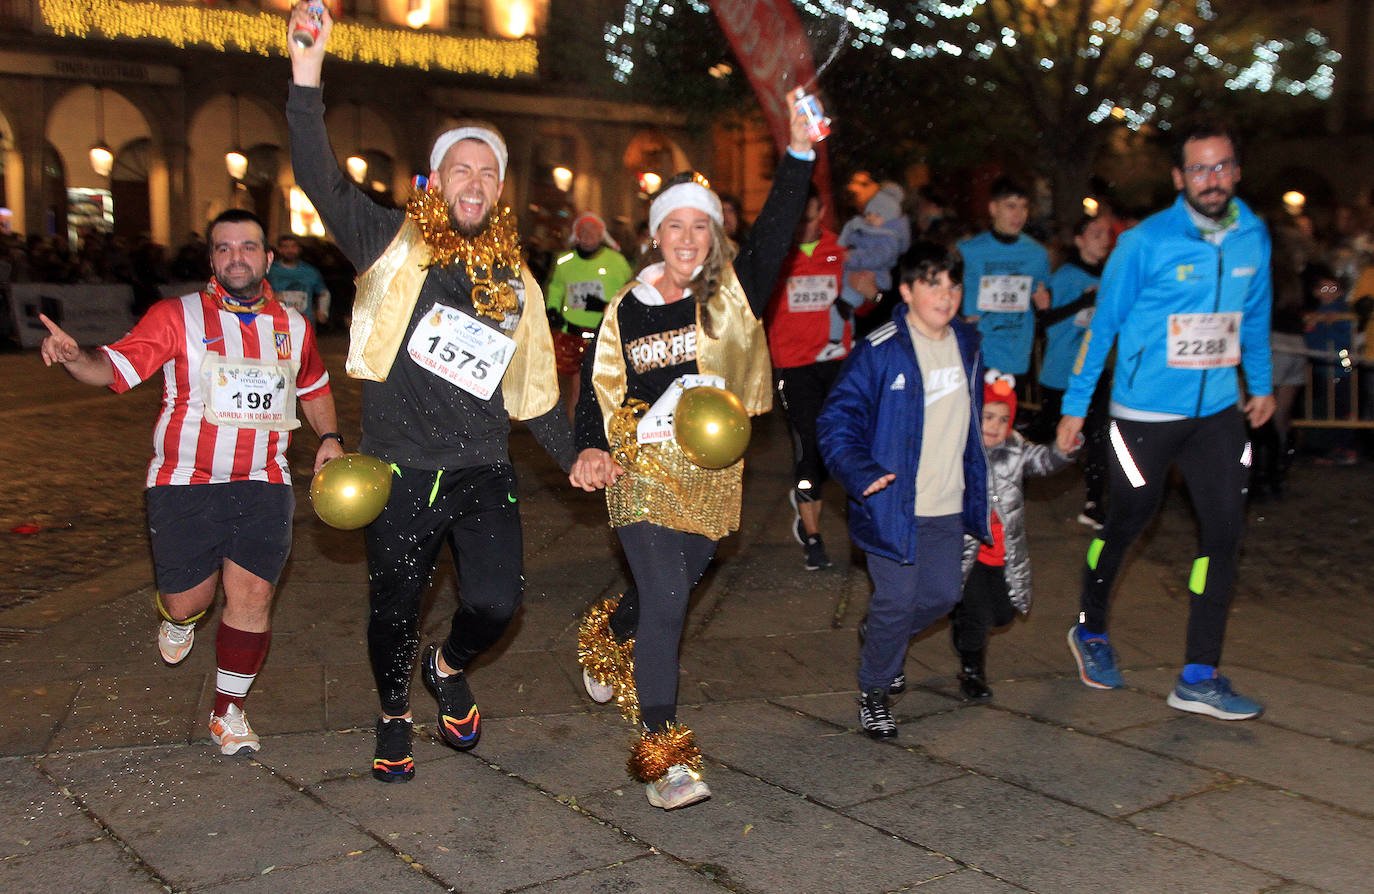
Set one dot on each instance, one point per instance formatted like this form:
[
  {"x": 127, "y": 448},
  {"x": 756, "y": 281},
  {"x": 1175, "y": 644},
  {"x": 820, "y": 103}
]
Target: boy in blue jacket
[{"x": 900, "y": 430}]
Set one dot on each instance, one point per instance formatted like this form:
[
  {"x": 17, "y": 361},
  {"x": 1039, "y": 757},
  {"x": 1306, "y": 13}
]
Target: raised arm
[
  {"x": 760, "y": 258},
  {"x": 361, "y": 228}
]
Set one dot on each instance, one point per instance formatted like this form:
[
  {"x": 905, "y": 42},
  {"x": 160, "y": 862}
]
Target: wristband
[{"x": 332, "y": 434}]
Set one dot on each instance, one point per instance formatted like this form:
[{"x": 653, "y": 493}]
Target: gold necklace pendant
[{"x": 496, "y": 248}]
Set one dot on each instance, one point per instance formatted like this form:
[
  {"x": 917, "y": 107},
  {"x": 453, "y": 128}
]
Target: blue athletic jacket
[
  {"x": 1162, "y": 267},
  {"x": 870, "y": 425}
]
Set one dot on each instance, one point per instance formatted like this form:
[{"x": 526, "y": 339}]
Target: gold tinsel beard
[{"x": 495, "y": 249}]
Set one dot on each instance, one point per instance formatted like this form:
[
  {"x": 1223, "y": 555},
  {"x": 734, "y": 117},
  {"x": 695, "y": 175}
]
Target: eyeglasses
[{"x": 1200, "y": 173}]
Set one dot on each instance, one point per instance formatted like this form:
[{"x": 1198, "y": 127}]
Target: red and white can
[{"x": 307, "y": 32}]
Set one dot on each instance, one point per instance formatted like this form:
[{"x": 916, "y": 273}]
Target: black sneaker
[
  {"x": 460, "y": 723},
  {"x": 815, "y": 556},
  {"x": 875, "y": 716},
  {"x": 392, "y": 761}
]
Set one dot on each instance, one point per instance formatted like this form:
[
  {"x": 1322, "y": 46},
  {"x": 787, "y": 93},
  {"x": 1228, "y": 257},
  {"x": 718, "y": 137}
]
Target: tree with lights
[{"x": 1040, "y": 79}]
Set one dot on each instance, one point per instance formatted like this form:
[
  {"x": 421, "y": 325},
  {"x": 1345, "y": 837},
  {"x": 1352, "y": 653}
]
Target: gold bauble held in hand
[
  {"x": 349, "y": 491},
  {"x": 711, "y": 427}
]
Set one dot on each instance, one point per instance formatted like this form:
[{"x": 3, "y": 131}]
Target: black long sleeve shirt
[{"x": 414, "y": 418}]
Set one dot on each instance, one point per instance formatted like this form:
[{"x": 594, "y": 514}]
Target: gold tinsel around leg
[
  {"x": 608, "y": 660},
  {"x": 654, "y": 753}
]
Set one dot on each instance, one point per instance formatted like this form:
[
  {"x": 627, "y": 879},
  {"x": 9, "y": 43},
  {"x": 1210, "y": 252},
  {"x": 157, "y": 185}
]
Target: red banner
[{"x": 769, "y": 42}]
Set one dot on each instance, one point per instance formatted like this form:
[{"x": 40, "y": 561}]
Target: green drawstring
[
  {"x": 396, "y": 470},
  {"x": 434, "y": 491}
]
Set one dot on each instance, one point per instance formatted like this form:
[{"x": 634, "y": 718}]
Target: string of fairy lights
[
  {"x": 930, "y": 29},
  {"x": 262, "y": 33}
]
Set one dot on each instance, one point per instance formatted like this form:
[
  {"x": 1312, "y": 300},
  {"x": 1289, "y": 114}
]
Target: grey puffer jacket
[{"x": 1008, "y": 463}]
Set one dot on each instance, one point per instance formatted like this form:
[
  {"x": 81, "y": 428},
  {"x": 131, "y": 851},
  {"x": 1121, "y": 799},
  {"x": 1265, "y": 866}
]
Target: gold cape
[
  {"x": 664, "y": 487},
  {"x": 387, "y": 292}
]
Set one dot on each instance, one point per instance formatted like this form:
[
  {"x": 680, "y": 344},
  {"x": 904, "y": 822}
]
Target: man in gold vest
[{"x": 450, "y": 338}]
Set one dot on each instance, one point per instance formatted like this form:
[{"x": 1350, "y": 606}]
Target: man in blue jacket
[{"x": 1185, "y": 297}]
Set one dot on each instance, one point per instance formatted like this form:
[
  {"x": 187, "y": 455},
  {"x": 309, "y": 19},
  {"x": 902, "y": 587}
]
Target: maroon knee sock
[{"x": 239, "y": 654}]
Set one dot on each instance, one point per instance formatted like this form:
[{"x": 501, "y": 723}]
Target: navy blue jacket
[{"x": 871, "y": 425}]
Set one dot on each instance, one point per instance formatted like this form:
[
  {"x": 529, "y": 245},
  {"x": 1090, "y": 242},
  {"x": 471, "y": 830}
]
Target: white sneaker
[
  {"x": 600, "y": 692},
  {"x": 232, "y": 733},
  {"x": 678, "y": 787},
  {"x": 174, "y": 641},
  {"x": 832, "y": 351}
]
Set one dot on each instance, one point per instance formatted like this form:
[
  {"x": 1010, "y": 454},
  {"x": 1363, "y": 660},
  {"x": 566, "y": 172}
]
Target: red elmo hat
[{"x": 1000, "y": 388}]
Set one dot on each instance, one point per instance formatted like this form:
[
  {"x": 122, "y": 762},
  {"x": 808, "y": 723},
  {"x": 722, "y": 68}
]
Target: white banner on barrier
[{"x": 92, "y": 313}]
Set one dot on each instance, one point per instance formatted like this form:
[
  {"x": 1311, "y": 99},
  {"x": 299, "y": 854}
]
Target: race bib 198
[
  {"x": 250, "y": 394},
  {"x": 1004, "y": 293},
  {"x": 460, "y": 349},
  {"x": 1204, "y": 341},
  {"x": 811, "y": 293}
]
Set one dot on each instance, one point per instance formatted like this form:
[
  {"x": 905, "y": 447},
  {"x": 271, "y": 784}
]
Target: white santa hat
[
  {"x": 685, "y": 195},
  {"x": 470, "y": 131}
]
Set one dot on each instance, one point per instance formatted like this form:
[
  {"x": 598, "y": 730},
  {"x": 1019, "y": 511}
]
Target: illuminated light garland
[{"x": 265, "y": 34}]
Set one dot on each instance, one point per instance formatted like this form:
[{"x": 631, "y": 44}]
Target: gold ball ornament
[
  {"x": 711, "y": 427},
  {"x": 349, "y": 491}
]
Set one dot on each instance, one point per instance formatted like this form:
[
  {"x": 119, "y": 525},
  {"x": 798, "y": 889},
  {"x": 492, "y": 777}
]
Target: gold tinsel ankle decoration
[
  {"x": 654, "y": 753},
  {"x": 606, "y": 659}
]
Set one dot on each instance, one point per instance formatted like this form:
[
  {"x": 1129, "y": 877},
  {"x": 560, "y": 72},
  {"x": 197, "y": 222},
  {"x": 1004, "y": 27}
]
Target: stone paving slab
[
  {"x": 1121, "y": 781},
  {"x": 35, "y": 814},
  {"x": 1068, "y": 703},
  {"x": 759, "y": 834},
  {"x": 369, "y": 871},
  {"x": 34, "y": 712},
  {"x": 767, "y": 666},
  {"x": 100, "y": 867},
  {"x": 568, "y": 755},
  {"x": 1046, "y": 845},
  {"x": 1275, "y": 831},
  {"x": 651, "y": 873},
  {"x": 967, "y": 881},
  {"x": 198, "y": 821},
  {"x": 1335, "y": 774},
  {"x": 144, "y": 709},
  {"x": 800, "y": 754},
  {"x": 476, "y": 828}
]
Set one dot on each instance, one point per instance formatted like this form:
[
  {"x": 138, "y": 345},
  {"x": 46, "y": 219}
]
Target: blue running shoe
[
  {"x": 1096, "y": 662},
  {"x": 1215, "y": 698}
]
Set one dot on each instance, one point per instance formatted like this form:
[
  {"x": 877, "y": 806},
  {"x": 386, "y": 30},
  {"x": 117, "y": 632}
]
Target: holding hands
[{"x": 594, "y": 469}]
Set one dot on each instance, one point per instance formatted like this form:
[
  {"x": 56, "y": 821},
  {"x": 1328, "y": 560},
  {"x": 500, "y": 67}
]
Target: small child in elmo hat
[{"x": 997, "y": 575}]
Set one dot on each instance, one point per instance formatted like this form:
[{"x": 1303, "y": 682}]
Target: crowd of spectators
[{"x": 144, "y": 265}]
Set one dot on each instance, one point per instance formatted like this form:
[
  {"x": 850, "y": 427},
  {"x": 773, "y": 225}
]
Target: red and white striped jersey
[{"x": 176, "y": 334}]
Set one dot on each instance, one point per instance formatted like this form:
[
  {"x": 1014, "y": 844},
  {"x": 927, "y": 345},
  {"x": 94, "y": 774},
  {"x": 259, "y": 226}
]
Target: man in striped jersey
[{"x": 233, "y": 362}]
